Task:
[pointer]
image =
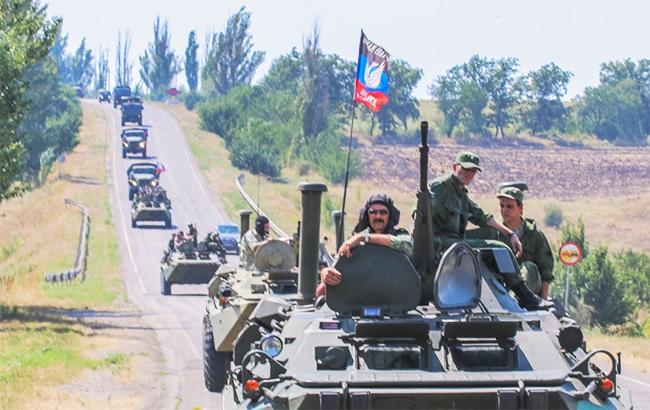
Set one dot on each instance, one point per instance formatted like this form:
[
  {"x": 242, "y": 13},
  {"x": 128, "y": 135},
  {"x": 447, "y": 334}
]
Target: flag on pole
[{"x": 371, "y": 86}]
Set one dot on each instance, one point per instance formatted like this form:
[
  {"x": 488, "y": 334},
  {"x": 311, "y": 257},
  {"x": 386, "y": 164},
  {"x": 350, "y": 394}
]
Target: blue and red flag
[{"x": 371, "y": 86}]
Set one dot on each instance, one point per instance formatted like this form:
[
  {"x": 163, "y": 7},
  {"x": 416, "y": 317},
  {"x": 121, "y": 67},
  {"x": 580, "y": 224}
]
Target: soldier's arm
[
  {"x": 544, "y": 258},
  {"x": 504, "y": 230}
]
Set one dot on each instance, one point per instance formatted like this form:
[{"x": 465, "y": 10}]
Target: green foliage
[
  {"x": 544, "y": 90},
  {"x": 52, "y": 121},
  {"x": 575, "y": 233},
  {"x": 158, "y": 63},
  {"x": 226, "y": 114},
  {"x": 101, "y": 70},
  {"x": 553, "y": 216},
  {"x": 326, "y": 152},
  {"x": 402, "y": 105},
  {"x": 635, "y": 270},
  {"x": 230, "y": 60},
  {"x": 600, "y": 284},
  {"x": 191, "y": 64},
  {"x": 191, "y": 99},
  {"x": 256, "y": 148},
  {"x": 26, "y": 36}
]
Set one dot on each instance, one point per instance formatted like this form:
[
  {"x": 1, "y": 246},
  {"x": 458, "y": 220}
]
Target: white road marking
[
  {"x": 634, "y": 380},
  {"x": 119, "y": 202}
]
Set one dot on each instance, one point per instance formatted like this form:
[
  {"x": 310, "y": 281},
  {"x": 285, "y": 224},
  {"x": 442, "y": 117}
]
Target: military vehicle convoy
[
  {"x": 140, "y": 175},
  {"x": 132, "y": 110},
  {"x": 134, "y": 141},
  {"x": 120, "y": 92},
  {"x": 431, "y": 331},
  {"x": 150, "y": 204},
  {"x": 191, "y": 262},
  {"x": 104, "y": 95}
]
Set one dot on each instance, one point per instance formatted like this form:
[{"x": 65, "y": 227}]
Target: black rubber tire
[
  {"x": 165, "y": 287},
  {"x": 131, "y": 194},
  {"x": 123, "y": 153},
  {"x": 215, "y": 364},
  {"x": 144, "y": 153},
  {"x": 134, "y": 224}
]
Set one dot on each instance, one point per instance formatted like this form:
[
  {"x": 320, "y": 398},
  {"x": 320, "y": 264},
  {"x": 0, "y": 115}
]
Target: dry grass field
[{"x": 57, "y": 349}]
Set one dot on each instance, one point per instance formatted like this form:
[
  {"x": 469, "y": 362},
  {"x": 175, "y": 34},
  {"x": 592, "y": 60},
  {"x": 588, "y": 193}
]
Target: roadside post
[{"x": 570, "y": 255}]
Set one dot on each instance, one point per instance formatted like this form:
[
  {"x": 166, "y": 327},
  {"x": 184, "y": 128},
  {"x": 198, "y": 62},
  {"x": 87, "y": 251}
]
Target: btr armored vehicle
[
  {"x": 104, "y": 96},
  {"x": 132, "y": 110},
  {"x": 436, "y": 330},
  {"x": 134, "y": 141},
  {"x": 229, "y": 234},
  {"x": 190, "y": 262},
  {"x": 142, "y": 174},
  {"x": 151, "y": 204},
  {"x": 120, "y": 92}
]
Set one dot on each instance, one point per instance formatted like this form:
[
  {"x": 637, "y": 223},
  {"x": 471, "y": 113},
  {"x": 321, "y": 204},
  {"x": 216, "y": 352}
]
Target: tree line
[{"x": 39, "y": 114}]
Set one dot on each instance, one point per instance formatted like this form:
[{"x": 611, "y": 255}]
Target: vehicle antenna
[{"x": 340, "y": 228}]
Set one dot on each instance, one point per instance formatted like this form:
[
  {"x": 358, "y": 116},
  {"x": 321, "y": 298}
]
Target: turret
[{"x": 309, "y": 237}]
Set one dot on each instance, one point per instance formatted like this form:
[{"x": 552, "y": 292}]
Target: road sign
[{"x": 570, "y": 253}]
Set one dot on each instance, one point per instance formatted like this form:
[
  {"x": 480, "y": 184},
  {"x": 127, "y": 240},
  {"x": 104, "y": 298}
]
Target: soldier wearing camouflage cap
[
  {"x": 452, "y": 209},
  {"x": 536, "y": 262}
]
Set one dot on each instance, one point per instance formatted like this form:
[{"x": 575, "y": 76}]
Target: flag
[
  {"x": 371, "y": 85},
  {"x": 160, "y": 168}
]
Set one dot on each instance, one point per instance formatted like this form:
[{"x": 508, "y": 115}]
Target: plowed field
[{"x": 562, "y": 173}]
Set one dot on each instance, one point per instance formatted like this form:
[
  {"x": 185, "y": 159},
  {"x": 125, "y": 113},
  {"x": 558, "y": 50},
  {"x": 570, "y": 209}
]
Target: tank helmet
[
  {"x": 393, "y": 218},
  {"x": 259, "y": 225}
]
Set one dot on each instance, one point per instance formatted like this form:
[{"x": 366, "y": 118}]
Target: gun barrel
[{"x": 424, "y": 155}]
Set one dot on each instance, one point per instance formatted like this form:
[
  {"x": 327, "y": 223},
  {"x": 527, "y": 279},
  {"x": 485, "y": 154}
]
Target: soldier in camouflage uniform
[
  {"x": 252, "y": 241},
  {"x": 452, "y": 209},
  {"x": 377, "y": 225}
]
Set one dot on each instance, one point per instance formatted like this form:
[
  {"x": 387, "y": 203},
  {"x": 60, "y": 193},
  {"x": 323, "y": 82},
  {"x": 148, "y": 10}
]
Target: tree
[
  {"x": 122, "y": 65},
  {"x": 544, "y": 90},
  {"x": 613, "y": 112},
  {"x": 158, "y": 63},
  {"x": 402, "y": 104},
  {"x": 445, "y": 91},
  {"x": 230, "y": 59},
  {"x": 101, "y": 70},
  {"x": 617, "y": 71},
  {"x": 81, "y": 66},
  {"x": 503, "y": 88},
  {"x": 26, "y": 37},
  {"x": 191, "y": 63}
]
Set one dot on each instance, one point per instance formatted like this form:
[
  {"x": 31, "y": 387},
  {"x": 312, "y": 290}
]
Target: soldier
[
  {"x": 251, "y": 242},
  {"x": 536, "y": 263},
  {"x": 377, "y": 225},
  {"x": 452, "y": 209}
]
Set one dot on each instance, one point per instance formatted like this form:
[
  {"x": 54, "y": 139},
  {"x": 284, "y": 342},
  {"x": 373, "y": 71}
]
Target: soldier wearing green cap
[
  {"x": 452, "y": 209},
  {"x": 536, "y": 263}
]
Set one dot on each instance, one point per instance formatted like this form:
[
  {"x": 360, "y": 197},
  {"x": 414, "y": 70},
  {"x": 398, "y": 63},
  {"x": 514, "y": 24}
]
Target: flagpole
[{"x": 340, "y": 229}]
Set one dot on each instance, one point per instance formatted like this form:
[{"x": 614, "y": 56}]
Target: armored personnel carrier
[
  {"x": 190, "y": 262},
  {"x": 151, "y": 204},
  {"x": 134, "y": 141},
  {"x": 430, "y": 331}
]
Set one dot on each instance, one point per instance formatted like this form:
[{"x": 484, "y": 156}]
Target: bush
[
  {"x": 191, "y": 99},
  {"x": 327, "y": 154},
  {"x": 255, "y": 148},
  {"x": 553, "y": 216}
]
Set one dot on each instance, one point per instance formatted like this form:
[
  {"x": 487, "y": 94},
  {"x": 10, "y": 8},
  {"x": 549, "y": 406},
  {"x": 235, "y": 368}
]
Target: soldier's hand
[
  {"x": 330, "y": 276},
  {"x": 349, "y": 244},
  {"x": 516, "y": 245}
]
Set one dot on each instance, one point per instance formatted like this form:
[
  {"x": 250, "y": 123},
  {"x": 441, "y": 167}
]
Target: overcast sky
[{"x": 433, "y": 35}]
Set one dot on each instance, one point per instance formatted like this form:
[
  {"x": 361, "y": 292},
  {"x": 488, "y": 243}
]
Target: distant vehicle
[
  {"x": 151, "y": 204},
  {"x": 230, "y": 234},
  {"x": 134, "y": 141},
  {"x": 104, "y": 95},
  {"x": 132, "y": 110},
  {"x": 142, "y": 174},
  {"x": 120, "y": 92}
]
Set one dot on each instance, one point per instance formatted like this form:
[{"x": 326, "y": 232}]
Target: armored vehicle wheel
[
  {"x": 215, "y": 364},
  {"x": 165, "y": 287}
]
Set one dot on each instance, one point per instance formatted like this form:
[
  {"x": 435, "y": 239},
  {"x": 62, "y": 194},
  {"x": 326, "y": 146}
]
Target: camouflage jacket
[
  {"x": 246, "y": 254},
  {"x": 402, "y": 241},
  {"x": 536, "y": 247},
  {"x": 451, "y": 210}
]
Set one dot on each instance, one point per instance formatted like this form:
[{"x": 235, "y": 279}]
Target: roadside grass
[
  {"x": 636, "y": 350},
  {"x": 41, "y": 345}
]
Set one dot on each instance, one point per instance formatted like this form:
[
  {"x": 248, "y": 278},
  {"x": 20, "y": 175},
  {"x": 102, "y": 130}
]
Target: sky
[{"x": 433, "y": 35}]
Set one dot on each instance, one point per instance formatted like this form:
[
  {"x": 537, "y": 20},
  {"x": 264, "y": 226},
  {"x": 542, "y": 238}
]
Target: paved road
[{"x": 176, "y": 318}]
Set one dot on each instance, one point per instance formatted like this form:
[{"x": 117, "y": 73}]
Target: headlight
[
  {"x": 154, "y": 182},
  {"x": 126, "y": 144},
  {"x": 142, "y": 144},
  {"x": 271, "y": 345},
  {"x": 133, "y": 182}
]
